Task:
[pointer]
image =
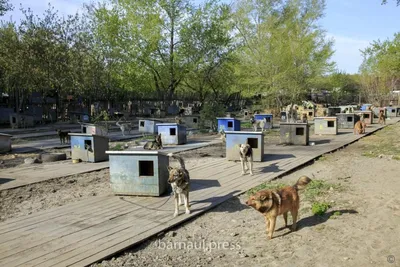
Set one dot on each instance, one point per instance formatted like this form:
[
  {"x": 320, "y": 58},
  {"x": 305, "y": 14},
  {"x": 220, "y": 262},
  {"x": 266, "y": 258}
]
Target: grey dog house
[
  {"x": 294, "y": 133},
  {"x": 139, "y": 173},
  {"x": 235, "y": 138}
]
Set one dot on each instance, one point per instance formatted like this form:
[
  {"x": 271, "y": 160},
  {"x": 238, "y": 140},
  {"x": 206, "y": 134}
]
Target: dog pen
[{"x": 235, "y": 138}]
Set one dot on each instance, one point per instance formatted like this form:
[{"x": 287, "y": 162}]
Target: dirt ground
[{"x": 361, "y": 227}]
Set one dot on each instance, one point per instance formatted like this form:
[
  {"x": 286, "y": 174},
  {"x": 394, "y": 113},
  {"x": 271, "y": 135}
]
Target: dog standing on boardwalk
[
  {"x": 179, "y": 180},
  {"x": 64, "y": 136},
  {"x": 382, "y": 118},
  {"x": 127, "y": 126},
  {"x": 246, "y": 158},
  {"x": 272, "y": 203},
  {"x": 359, "y": 127},
  {"x": 258, "y": 123}
]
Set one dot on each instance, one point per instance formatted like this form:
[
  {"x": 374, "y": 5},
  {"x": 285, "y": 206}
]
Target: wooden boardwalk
[{"x": 85, "y": 232}]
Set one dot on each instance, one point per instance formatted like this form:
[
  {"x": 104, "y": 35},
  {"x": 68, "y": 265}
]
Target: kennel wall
[
  {"x": 235, "y": 138},
  {"x": 294, "y": 133},
  {"x": 142, "y": 173},
  {"x": 326, "y": 125},
  {"x": 347, "y": 121},
  {"x": 88, "y": 128},
  {"x": 148, "y": 126},
  {"x": 89, "y": 148},
  {"x": 191, "y": 121},
  {"x": 269, "y": 118},
  {"x": 391, "y": 112},
  {"x": 332, "y": 111},
  {"x": 172, "y": 133},
  {"x": 5, "y": 143},
  {"x": 228, "y": 124},
  {"x": 368, "y": 116}
]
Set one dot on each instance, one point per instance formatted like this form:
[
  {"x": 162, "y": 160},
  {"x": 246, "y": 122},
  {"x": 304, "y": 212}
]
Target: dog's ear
[
  {"x": 263, "y": 197},
  {"x": 170, "y": 168}
]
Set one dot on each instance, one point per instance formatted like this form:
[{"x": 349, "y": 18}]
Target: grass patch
[
  {"x": 246, "y": 124},
  {"x": 322, "y": 158},
  {"x": 383, "y": 142},
  {"x": 319, "y": 208},
  {"x": 265, "y": 186},
  {"x": 319, "y": 188},
  {"x": 117, "y": 147},
  {"x": 335, "y": 215}
]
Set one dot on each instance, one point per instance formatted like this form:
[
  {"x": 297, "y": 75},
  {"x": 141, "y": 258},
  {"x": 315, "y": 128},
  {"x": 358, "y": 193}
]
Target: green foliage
[
  {"x": 319, "y": 208},
  {"x": 4, "y": 7},
  {"x": 209, "y": 112},
  {"x": 118, "y": 147},
  {"x": 384, "y": 2},
  {"x": 318, "y": 188}
]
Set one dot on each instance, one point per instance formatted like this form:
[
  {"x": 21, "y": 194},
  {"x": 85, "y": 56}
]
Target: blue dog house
[
  {"x": 148, "y": 126},
  {"x": 254, "y": 139},
  {"x": 172, "y": 133},
  {"x": 228, "y": 124},
  {"x": 89, "y": 148},
  {"x": 141, "y": 173},
  {"x": 268, "y": 117},
  {"x": 365, "y": 107}
]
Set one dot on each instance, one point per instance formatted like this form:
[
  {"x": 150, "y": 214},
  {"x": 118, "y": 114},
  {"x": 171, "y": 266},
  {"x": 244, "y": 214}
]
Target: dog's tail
[
  {"x": 302, "y": 182},
  {"x": 181, "y": 161}
]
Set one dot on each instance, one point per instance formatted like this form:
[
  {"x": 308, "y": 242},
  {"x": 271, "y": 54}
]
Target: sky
[{"x": 353, "y": 24}]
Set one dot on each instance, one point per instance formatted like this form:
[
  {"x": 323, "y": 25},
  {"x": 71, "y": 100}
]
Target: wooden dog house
[
  {"x": 148, "y": 126},
  {"x": 294, "y": 133},
  {"x": 228, "y": 124},
  {"x": 192, "y": 121},
  {"x": 5, "y": 143},
  {"x": 172, "y": 133},
  {"x": 235, "y": 138},
  {"x": 368, "y": 116},
  {"x": 268, "y": 117},
  {"x": 141, "y": 173},
  {"x": 347, "y": 121},
  {"x": 326, "y": 125},
  {"x": 89, "y": 148}
]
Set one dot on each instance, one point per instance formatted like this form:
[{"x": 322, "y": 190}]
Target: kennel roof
[
  {"x": 136, "y": 152},
  {"x": 243, "y": 132}
]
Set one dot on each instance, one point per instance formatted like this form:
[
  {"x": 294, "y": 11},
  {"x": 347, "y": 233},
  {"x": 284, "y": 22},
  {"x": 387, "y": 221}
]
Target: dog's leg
[
  {"x": 180, "y": 200},
  {"x": 285, "y": 218},
  {"x": 251, "y": 165},
  {"x": 242, "y": 162},
  {"x": 267, "y": 223},
  {"x": 294, "y": 218},
  {"x": 272, "y": 222},
  {"x": 187, "y": 206},
  {"x": 176, "y": 204}
]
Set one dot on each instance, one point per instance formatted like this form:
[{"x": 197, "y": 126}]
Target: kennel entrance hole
[
  {"x": 299, "y": 131},
  {"x": 349, "y": 119},
  {"x": 268, "y": 119},
  {"x": 331, "y": 124},
  {"x": 142, "y": 124},
  {"x": 194, "y": 120},
  {"x": 88, "y": 145},
  {"x": 146, "y": 168},
  {"x": 253, "y": 142},
  {"x": 172, "y": 131},
  {"x": 366, "y": 115},
  {"x": 230, "y": 124}
]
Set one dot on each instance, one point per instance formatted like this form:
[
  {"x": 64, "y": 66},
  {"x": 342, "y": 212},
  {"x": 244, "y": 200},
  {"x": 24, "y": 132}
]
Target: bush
[
  {"x": 319, "y": 208},
  {"x": 209, "y": 112}
]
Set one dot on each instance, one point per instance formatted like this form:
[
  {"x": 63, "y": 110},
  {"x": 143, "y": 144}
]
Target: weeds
[{"x": 319, "y": 208}]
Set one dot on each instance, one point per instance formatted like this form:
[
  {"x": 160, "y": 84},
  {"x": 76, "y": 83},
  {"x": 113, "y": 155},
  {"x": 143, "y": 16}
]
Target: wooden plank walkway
[
  {"x": 87, "y": 231},
  {"x": 29, "y": 174}
]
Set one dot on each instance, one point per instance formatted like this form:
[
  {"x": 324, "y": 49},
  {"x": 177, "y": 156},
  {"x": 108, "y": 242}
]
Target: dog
[
  {"x": 258, "y": 123},
  {"x": 304, "y": 118},
  {"x": 223, "y": 135},
  {"x": 178, "y": 120},
  {"x": 154, "y": 145},
  {"x": 179, "y": 179},
  {"x": 292, "y": 113},
  {"x": 382, "y": 118},
  {"x": 64, "y": 136},
  {"x": 272, "y": 203},
  {"x": 359, "y": 127},
  {"x": 124, "y": 127},
  {"x": 246, "y": 158}
]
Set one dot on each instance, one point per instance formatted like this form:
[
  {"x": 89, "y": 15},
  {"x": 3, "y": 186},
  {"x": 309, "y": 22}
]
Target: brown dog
[
  {"x": 272, "y": 203},
  {"x": 382, "y": 118},
  {"x": 359, "y": 127}
]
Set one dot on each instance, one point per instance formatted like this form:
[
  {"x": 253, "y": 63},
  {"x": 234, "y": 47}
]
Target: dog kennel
[
  {"x": 21, "y": 121},
  {"x": 294, "y": 133},
  {"x": 148, "y": 126},
  {"x": 88, "y": 147},
  {"x": 368, "y": 116},
  {"x": 172, "y": 133},
  {"x": 332, "y": 111},
  {"x": 268, "y": 117},
  {"x": 5, "y": 143},
  {"x": 235, "y": 138},
  {"x": 326, "y": 125},
  {"x": 142, "y": 173},
  {"x": 228, "y": 124},
  {"x": 88, "y": 128},
  {"x": 347, "y": 121},
  {"x": 283, "y": 116},
  {"x": 192, "y": 121},
  {"x": 391, "y": 112},
  {"x": 377, "y": 110}
]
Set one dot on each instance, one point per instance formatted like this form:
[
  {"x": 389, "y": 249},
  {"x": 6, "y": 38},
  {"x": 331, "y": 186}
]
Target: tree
[
  {"x": 384, "y": 2},
  {"x": 283, "y": 48},
  {"x": 4, "y": 7}
]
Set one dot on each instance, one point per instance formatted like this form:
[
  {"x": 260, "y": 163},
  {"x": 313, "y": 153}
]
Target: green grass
[
  {"x": 335, "y": 215},
  {"x": 319, "y": 208},
  {"x": 319, "y": 188},
  {"x": 246, "y": 124},
  {"x": 265, "y": 186},
  {"x": 117, "y": 147}
]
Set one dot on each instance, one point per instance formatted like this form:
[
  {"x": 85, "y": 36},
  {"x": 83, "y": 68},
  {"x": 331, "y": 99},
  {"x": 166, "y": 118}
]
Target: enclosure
[
  {"x": 228, "y": 124},
  {"x": 368, "y": 116},
  {"x": 294, "y": 133},
  {"x": 332, "y": 111},
  {"x": 268, "y": 118},
  {"x": 347, "y": 121},
  {"x": 87, "y": 128},
  {"x": 391, "y": 112},
  {"x": 172, "y": 133},
  {"x": 326, "y": 125},
  {"x": 235, "y": 138},
  {"x": 148, "y": 126},
  {"x": 89, "y": 148},
  {"x": 191, "y": 121},
  {"x": 5, "y": 143},
  {"x": 142, "y": 173}
]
